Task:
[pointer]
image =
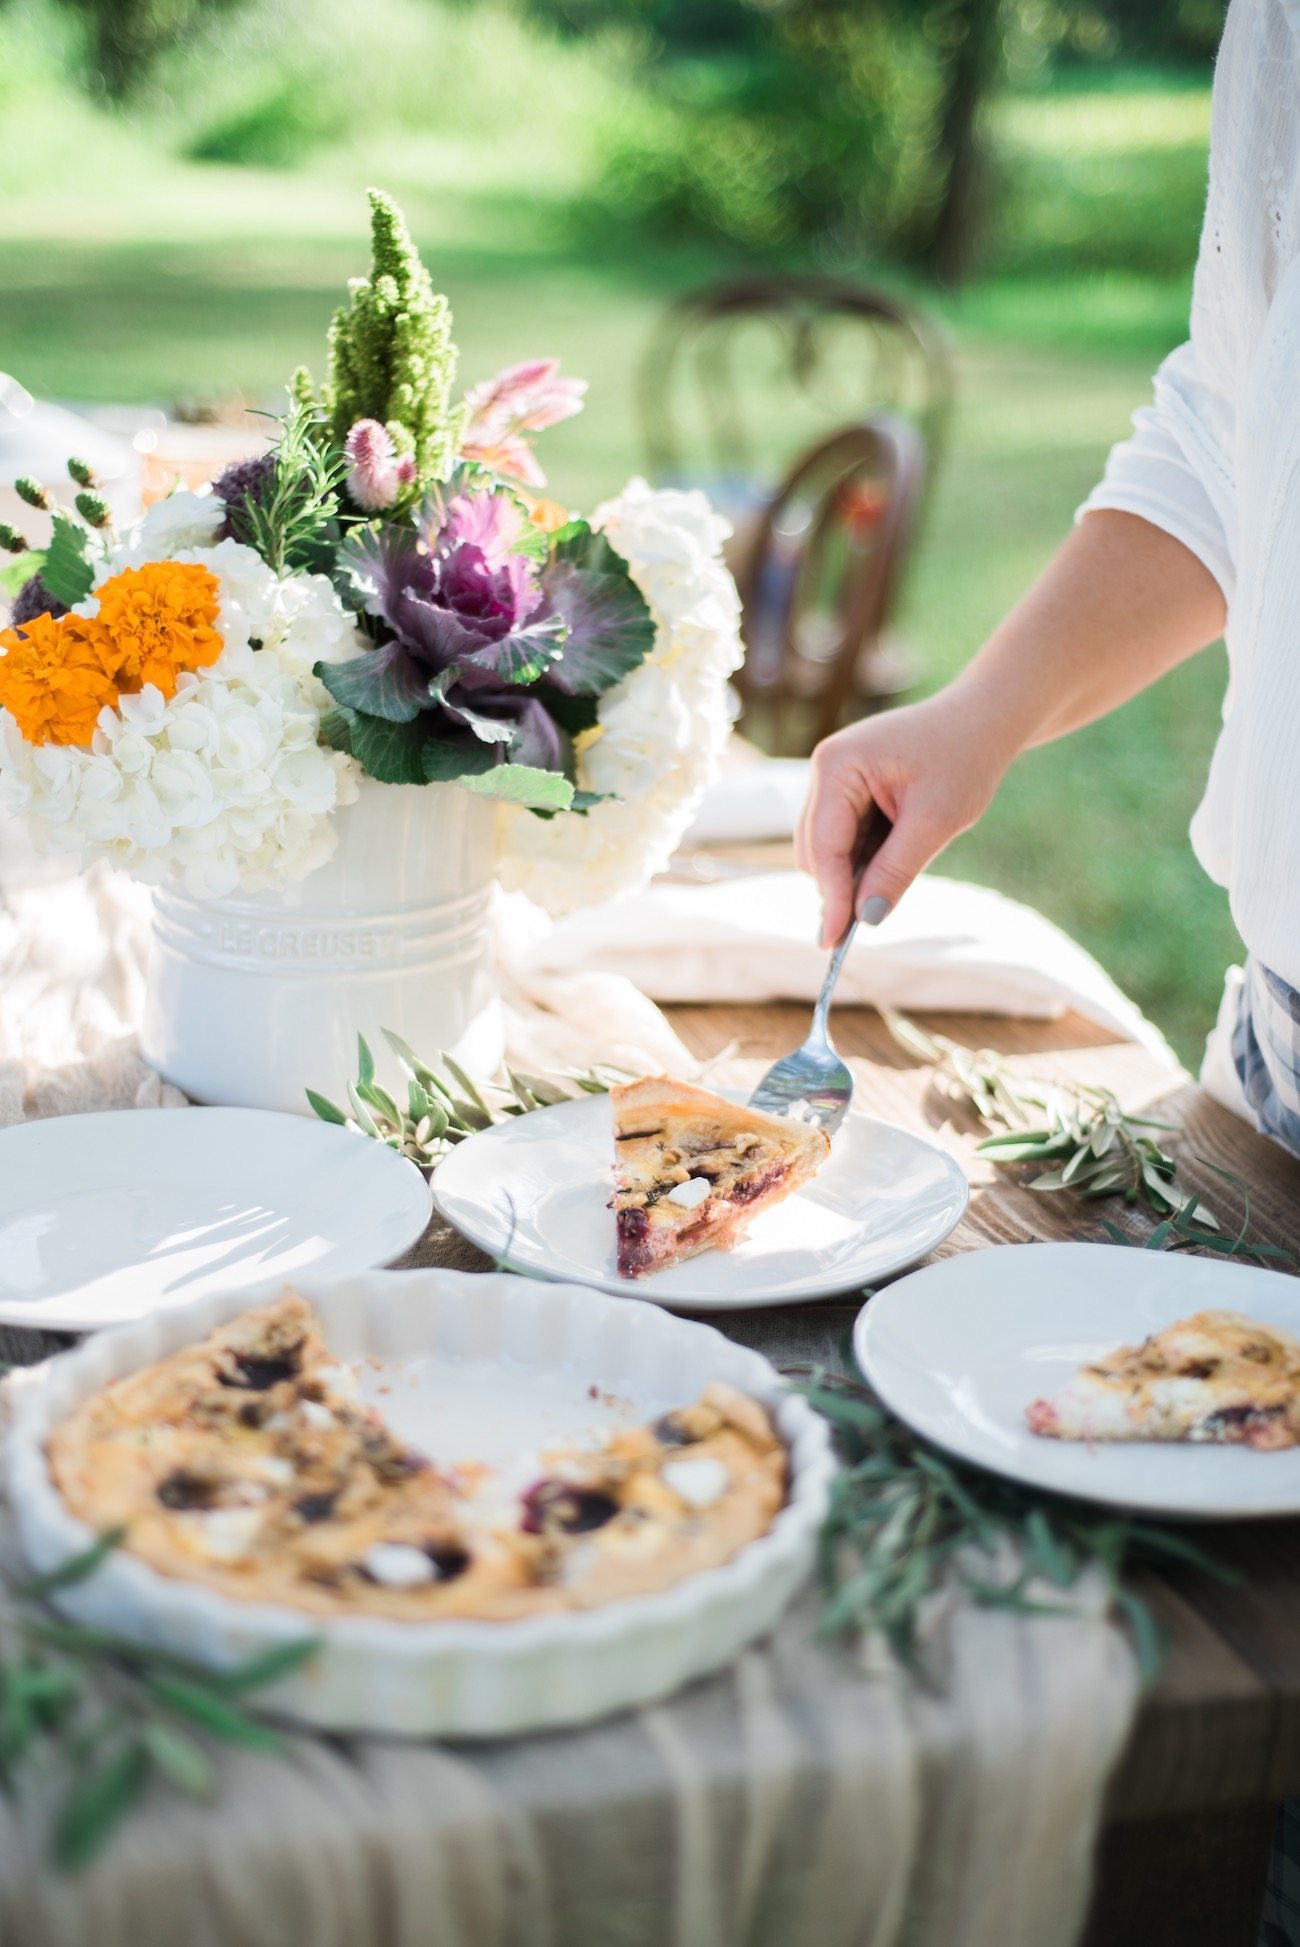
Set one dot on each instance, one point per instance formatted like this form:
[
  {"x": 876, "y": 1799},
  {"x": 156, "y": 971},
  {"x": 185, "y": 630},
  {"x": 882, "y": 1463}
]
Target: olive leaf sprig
[
  {"x": 1090, "y": 1143},
  {"x": 441, "y": 1109},
  {"x": 99, "y": 1715},
  {"x": 907, "y": 1524}
]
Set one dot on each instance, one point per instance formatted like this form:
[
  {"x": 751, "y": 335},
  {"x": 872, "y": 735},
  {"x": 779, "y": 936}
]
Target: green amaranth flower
[{"x": 391, "y": 353}]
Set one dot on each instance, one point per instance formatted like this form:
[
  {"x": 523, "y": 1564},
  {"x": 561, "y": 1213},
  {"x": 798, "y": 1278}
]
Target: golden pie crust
[
  {"x": 243, "y": 1463},
  {"x": 668, "y": 1134},
  {"x": 1215, "y": 1377}
]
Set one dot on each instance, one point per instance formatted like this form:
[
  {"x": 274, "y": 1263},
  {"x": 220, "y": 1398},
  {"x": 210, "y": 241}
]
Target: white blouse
[{"x": 1215, "y": 461}]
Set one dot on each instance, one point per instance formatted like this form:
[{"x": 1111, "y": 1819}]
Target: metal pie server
[{"x": 813, "y": 1084}]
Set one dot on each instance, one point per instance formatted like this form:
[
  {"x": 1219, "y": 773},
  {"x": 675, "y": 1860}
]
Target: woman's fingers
[
  {"x": 824, "y": 842},
  {"x": 914, "y": 841}
]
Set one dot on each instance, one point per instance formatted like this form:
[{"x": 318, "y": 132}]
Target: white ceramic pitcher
[{"x": 255, "y": 998}]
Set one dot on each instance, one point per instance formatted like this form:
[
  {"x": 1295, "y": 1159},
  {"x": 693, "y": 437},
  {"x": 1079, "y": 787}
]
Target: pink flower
[
  {"x": 376, "y": 472},
  {"x": 520, "y": 400}
]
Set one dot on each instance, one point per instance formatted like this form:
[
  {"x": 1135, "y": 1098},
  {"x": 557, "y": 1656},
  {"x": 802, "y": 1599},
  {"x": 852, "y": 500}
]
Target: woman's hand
[
  {"x": 931, "y": 767},
  {"x": 1120, "y": 603}
]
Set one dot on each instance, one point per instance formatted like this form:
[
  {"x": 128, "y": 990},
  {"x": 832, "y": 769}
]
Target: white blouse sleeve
[{"x": 1178, "y": 469}]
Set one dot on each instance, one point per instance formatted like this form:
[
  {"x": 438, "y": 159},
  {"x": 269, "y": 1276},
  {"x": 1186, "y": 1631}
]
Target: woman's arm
[{"x": 1121, "y": 603}]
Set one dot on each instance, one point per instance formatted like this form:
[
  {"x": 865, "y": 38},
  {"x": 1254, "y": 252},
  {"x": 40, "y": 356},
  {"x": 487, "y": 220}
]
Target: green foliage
[
  {"x": 277, "y": 129},
  {"x": 66, "y": 572},
  {"x": 391, "y": 352},
  {"x": 290, "y": 523},
  {"x": 444, "y": 1104},
  {"x": 906, "y": 1522},
  {"x": 93, "y": 509},
  {"x": 127, "y": 36},
  {"x": 100, "y": 1714},
  {"x": 822, "y": 133},
  {"x": 1094, "y": 1146}
]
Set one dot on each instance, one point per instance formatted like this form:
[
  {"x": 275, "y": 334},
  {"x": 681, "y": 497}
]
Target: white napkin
[
  {"x": 949, "y": 947},
  {"x": 750, "y": 801}
]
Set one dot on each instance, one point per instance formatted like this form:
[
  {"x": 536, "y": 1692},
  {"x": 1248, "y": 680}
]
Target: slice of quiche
[
  {"x": 1216, "y": 1376},
  {"x": 691, "y": 1170}
]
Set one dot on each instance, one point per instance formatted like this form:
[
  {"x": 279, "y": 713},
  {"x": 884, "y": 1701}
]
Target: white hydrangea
[
  {"x": 660, "y": 732},
  {"x": 224, "y": 785}
]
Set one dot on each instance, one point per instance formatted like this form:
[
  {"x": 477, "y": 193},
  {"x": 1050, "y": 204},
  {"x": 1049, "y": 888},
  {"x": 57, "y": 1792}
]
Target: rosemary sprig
[
  {"x": 104, "y": 1714},
  {"x": 288, "y": 524},
  {"x": 1090, "y": 1143},
  {"x": 907, "y": 1524},
  {"x": 441, "y": 1109}
]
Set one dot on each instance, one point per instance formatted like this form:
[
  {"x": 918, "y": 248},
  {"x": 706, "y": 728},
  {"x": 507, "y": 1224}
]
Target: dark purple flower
[
  {"x": 482, "y": 645},
  {"x": 241, "y": 483},
  {"x": 469, "y": 622},
  {"x": 34, "y": 599}
]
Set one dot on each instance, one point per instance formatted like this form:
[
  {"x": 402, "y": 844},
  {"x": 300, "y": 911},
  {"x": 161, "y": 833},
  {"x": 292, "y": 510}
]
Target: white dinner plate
[
  {"x": 959, "y": 1349},
  {"x": 535, "y": 1192},
  {"x": 108, "y": 1217}
]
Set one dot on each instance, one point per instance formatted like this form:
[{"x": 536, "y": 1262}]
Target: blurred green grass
[{"x": 130, "y": 270}]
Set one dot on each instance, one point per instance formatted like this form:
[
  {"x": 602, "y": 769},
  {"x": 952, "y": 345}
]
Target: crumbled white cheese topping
[
  {"x": 272, "y": 1468},
  {"x": 316, "y": 1415},
  {"x": 398, "y": 1565},
  {"x": 697, "y": 1482},
  {"x": 691, "y": 1194},
  {"x": 227, "y": 1534},
  {"x": 339, "y": 1379}
]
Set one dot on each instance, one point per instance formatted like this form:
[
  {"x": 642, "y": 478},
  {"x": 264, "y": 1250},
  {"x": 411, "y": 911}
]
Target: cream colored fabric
[
  {"x": 747, "y": 936},
  {"x": 791, "y": 1799}
]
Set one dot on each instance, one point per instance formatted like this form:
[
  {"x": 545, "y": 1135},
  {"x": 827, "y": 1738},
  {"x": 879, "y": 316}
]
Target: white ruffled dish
[{"x": 458, "y": 1364}]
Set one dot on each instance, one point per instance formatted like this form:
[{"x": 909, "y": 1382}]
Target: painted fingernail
[{"x": 874, "y": 909}]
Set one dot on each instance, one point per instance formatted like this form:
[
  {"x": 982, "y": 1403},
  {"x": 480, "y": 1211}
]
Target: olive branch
[
  {"x": 907, "y": 1524},
  {"x": 105, "y": 1715},
  {"x": 445, "y": 1105},
  {"x": 1089, "y": 1142}
]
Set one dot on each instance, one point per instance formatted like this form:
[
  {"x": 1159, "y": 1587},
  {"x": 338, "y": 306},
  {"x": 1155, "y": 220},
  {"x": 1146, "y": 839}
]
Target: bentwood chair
[
  {"x": 743, "y": 374},
  {"x": 818, "y": 581}
]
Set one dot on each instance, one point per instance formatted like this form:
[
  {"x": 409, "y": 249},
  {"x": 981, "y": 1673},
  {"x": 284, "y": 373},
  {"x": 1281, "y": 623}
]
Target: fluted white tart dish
[{"x": 460, "y": 1366}]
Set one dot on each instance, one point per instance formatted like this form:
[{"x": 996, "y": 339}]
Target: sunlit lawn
[{"x": 189, "y": 281}]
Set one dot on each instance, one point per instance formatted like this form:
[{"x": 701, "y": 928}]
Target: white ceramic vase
[{"x": 255, "y": 998}]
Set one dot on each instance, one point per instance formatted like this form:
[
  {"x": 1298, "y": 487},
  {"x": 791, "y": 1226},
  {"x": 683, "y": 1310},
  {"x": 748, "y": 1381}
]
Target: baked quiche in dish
[
  {"x": 692, "y": 1170},
  {"x": 244, "y": 1462},
  {"x": 1216, "y": 1376}
]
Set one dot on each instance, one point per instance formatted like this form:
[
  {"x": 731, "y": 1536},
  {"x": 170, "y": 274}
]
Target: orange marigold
[
  {"x": 56, "y": 677},
  {"x": 161, "y": 620}
]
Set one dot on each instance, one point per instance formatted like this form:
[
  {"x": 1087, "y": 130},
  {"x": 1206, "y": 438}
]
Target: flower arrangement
[{"x": 385, "y": 593}]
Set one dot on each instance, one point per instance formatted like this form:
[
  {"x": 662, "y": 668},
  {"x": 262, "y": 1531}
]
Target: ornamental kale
[{"x": 492, "y": 642}]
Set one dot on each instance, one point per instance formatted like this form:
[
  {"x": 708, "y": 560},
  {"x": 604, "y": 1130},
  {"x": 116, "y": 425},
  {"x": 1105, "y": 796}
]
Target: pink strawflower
[
  {"x": 520, "y": 400},
  {"x": 376, "y": 471}
]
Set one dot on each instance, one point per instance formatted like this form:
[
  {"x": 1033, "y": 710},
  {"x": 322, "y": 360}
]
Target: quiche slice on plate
[
  {"x": 1216, "y": 1376},
  {"x": 693, "y": 1170}
]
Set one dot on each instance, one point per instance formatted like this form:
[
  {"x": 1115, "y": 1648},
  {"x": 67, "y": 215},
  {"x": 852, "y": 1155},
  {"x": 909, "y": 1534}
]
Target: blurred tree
[
  {"x": 1159, "y": 30},
  {"x": 974, "y": 49},
  {"x": 126, "y": 36},
  {"x": 847, "y": 125}
]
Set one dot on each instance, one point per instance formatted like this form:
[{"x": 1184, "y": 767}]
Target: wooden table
[{"x": 1217, "y": 1741}]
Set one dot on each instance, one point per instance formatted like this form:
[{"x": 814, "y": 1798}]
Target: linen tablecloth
[{"x": 794, "y": 1798}]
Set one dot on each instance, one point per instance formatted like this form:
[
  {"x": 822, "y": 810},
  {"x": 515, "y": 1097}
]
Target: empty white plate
[
  {"x": 959, "y": 1350},
  {"x": 105, "y": 1218},
  {"x": 535, "y": 1192}
]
